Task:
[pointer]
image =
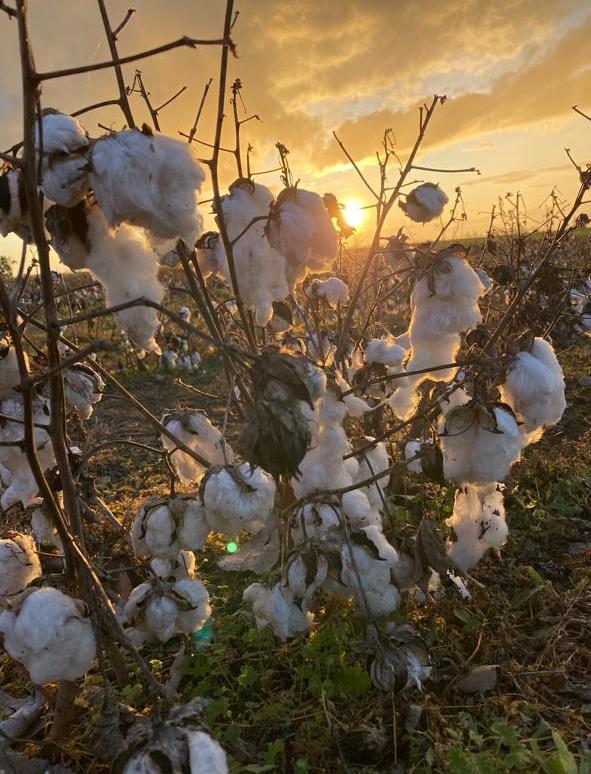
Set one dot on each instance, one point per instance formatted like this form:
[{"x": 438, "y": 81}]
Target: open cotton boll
[
  {"x": 163, "y": 526},
  {"x": 479, "y": 445},
  {"x": 411, "y": 449},
  {"x": 193, "y": 428},
  {"x": 356, "y": 507},
  {"x": 241, "y": 497},
  {"x": 333, "y": 290},
  {"x": 9, "y": 370},
  {"x": 23, "y": 486},
  {"x": 49, "y": 635},
  {"x": 313, "y": 520},
  {"x": 478, "y": 523},
  {"x": 43, "y": 529},
  {"x": 445, "y": 299},
  {"x": 127, "y": 267},
  {"x": 275, "y": 606},
  {"x": 301, "y": 229},
  {"x": 424, "y": 203},
  {"x": 181, "y": 568},
  {"x": 206, "y": 756},
  {"x": 377, "y": 589},
  {"x": 19, "y": 564},
  {"x": 150, "y": 181},
  {"x": 65, "y": 166},
  {"x": 13, "y": 205},
  {"x": 487, "y": 282},
  {"x": 162, "y": 611},
  {"x": 385, "y": 351},
  {"x": 371, "y": 463},
  {"x": 534, "y": 388},
  {"x": 260, "y": 269},
  {"x": 83, "y": 387},
  {"x": 209, "y": 248}
]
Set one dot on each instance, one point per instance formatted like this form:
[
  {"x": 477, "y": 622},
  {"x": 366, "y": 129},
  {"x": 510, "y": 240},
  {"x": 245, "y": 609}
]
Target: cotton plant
[
  {"x": 175, "y": 743},
  {"x": 148, "y": 180},
  {"x": 332, "y": 290},
  {"x": 20, "y": 482},
  {"x": 19, "y": 564},
  {"x": 479, "y": 442},
  {"x": 534, "y": 388},
  {"x": 159, "y": 610},
  {"x": 51, "y": 635},
  {"x": 165, "y": 526},
  {"x": 424, "y": 203},
  {"x": 193, "y": 428},
  {"x": 120, "y": 257},
  {"x": 301, "y": 229},
  {"x": 444, "y": 304},
  {"x": 477, "y": 522},
  {"x": 238, "y": 497},
  {"x": 260, "y": 269},
  {"x": 64, "y": 147}
]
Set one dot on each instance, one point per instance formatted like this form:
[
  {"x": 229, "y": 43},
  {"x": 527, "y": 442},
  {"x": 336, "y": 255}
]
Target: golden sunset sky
[{"x": 512, "y": 69}]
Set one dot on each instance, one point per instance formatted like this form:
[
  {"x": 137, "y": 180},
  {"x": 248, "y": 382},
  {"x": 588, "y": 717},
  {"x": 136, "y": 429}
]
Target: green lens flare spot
[{"x": 232, "y": 547}]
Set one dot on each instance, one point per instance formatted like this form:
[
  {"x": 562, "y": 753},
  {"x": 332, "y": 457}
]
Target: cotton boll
[
  {"x": 164, "y": 526},
  {"x": 209, "y": 246},
  {"x": 168, "y": 359},
  {"x": 260, "y": 269},
  {"x": 150, "y": 181},
  {"x": 65, "y": 166},
  {"x": 275, "y": 606},
  {"x": 9, "y": 370},
  {"x": 333, "y": 290},
  {"x": 43, "y": 529},
  {"x": 126, "y": 265},
  {"x": 534, "y": 388},
  {"x": 206, "y": 756},
  {"x": 424, "y": 203},
  {"x": 185, "y": 313},
  {"x": 479, "y": 445},
  {"x": 385, "y": 351},
  {"x": 23, "y": 486},
  {"x": 50, "y": 636},
  {"x": 168, "y": 609},
  {"x": 356, "y": 508},
  {"x": 371, "y": 463},
  {"x": 411, "y": 449},
  {"x": 478, "y": 523},
  {"x": 313, "y": 520},
  {"x": 238, "y": 498},
  {"x": 194, "y": 429},
  {"x": 181, "y": 568},
  {"x": 487, "y": 282},
  {"x": 301, "y": 229},
  {"x": 19, "y": 564},
  {"x": 83, "y": 387},
  {"x": 13, "y": 216},
  {"x": 377, "y": 590}
]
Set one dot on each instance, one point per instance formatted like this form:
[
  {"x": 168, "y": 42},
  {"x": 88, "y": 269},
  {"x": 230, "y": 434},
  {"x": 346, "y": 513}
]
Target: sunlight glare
[{"x": 353, "y": 213}]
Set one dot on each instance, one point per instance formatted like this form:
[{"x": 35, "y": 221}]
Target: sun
[{"x": 353, "y": 213}]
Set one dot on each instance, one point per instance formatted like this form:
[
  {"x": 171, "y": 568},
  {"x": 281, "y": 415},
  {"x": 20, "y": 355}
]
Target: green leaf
[{"x": 352, "y": 680}]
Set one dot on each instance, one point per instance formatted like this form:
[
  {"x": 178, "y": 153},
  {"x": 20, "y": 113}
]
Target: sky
[{"x": 511, "y": 69}]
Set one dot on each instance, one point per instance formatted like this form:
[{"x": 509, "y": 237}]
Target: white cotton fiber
[
  {"x": 534, "y": 388},
  {"x": 260, "y": 269},
  {"x": 49, "y": 635},
  {"x": 65, "y": 166},
  {"x": 9, "y": 370},
  {"x": 122, "y": 259},
  {"x": 19, "y": 564},
  {"x": 166, "y": 609},
  {"x": 22, "y": 486},
  {"x": 301, "y": 230},
  {"x": 424, "y": 203},
  {"x": 478, "y": 523},
  {"x": 206, "y": 756},
  {"x": 193, "y": 428},
  {"x": 149, "y": 181},
  {"x": 275, "y": 606},
  {"x": 378, "y": 591},
  {"x": 238, "y": 498},
  {"x": 385, "y": 351},
  {"x": 333, "y": 290},
  {"x": 164, "y": 526}
]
